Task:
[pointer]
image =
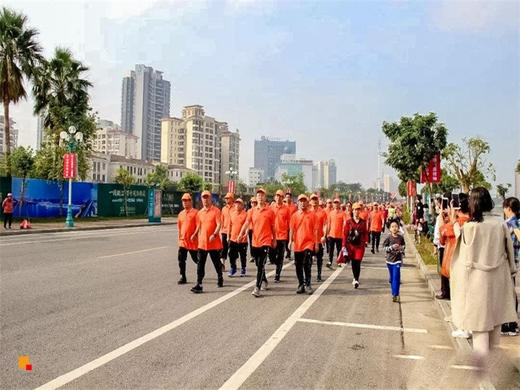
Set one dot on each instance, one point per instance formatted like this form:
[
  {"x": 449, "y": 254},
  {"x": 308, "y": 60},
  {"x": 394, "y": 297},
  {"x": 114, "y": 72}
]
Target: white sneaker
[
  {"x": 263, "y": 287},
  {"x": 256, "y": 292},
  {"x": 355, "y": 283},
  {"x": 459, "y": 333}
]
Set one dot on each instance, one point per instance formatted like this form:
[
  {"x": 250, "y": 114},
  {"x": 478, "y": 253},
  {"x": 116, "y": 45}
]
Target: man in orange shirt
[
  {"x": 237, "y": 246},
  {"x": 292, "y": 209},
  {"x": 262, "y": 221},
  {"x": 186, "y": 226},
  {"x": 335, "y": 223},
  {"x": 281, "y": 228},
  {"x": 224, "y": 230},
  {"x": 377, "y": 220},
  {"x": 304, "y": 238},
  {"x": 321, "y": 222},
  {"x": 328, "y": 208},
  {"x": 365, "y": 216},
  {"x": 208, "y": 227},
  {"x": 254, "y": 203}
]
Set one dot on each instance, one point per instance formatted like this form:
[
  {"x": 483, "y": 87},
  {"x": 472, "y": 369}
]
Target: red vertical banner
[
  {"x": 69, "y": 166},
  {"x": 433, "y": 173},
  {"x": 410, "y": 188},
  {"x": 231, "y": 186}
]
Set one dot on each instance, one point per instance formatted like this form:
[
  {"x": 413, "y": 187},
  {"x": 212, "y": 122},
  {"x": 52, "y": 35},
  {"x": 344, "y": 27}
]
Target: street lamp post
[
  {"x": 231, "y": 173},
  {"x": 72, "y": 138}
]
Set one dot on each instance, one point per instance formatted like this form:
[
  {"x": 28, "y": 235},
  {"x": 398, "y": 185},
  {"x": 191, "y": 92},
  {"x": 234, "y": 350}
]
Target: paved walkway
[{"x": 84, "y": 224}]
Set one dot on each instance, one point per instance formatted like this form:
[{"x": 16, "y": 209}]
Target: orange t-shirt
[
  {"x": 262, "y": 221},
  {"x": 207, "y": 221},
  {"x": 292, "y": 208},
  {"x": 186, "y": 225},
  {"x": 321, "y": 220},
  {"x": 226, "y": 218},
  {"x": 237, "y": 221},
  {"x": 249, "y": 212},
  {"x": 376, "y": 221},
  {"x": 363, "y": 214},
  {"x": 303, "y": 226},
  {"x": 336, "y": 222},
  {"x": 327, "y": 211},
  {"x": 282, "y": 219}
]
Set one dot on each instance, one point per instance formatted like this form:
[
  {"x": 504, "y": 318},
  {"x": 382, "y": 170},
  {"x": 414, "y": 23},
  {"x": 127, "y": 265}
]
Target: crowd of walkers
[{"x": 312, "y": 229}]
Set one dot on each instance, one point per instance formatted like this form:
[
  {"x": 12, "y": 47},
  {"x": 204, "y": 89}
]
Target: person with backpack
[{"x": 355, "y": 237}]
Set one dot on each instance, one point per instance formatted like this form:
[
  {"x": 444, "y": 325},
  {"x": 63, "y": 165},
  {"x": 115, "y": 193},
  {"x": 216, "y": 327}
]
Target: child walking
[{"x": 394, "y": 246}]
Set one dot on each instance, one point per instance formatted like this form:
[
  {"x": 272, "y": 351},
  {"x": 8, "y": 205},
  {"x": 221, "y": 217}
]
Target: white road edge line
[
  {"x": 462, "y": 367},
  {"x": 410, "y": 357},
  {"x": 133, "y": 252},
  {"x": 364, "y": 326},
  {"x": 84, "y": 369},
  {"x": 244, "y": 372}
]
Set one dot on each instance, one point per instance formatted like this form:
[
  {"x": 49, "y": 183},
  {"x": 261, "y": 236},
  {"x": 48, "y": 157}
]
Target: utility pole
[{"x": 379, "y": 166}]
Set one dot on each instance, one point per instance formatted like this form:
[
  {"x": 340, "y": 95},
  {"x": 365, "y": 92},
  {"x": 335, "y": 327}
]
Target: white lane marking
[
  {"x": 462, "y": 367},
  {"x": 86, "y": 368},
  {"x": 364, "y": 326},
  {"x": 244, "y": 372},
  {"x": 133, "y": 252},
  {"x": 79, "y": 236},
  {"x": 440, "y": 347},
  {"x": 410, "y": 357}
]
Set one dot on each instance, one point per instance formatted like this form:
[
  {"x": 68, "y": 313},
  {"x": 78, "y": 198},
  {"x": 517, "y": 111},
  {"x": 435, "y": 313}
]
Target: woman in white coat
[{"x": 481, "y": 269}]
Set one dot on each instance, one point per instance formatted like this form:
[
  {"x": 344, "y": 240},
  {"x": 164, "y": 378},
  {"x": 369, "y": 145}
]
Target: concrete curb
[
  {"x": 79, "y": 228},
  {"x": 433, "y": 280}
]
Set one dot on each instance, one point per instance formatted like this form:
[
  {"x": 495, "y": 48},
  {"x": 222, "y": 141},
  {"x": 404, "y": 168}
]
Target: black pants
[
  {"x": 182, "y": 256},
  {"x": 8, "y": 217},
  {"x": 376, "y": 238},
  {"x": 225, "y": 246},
  {"x": 260, "y": 254},
  {"x": 250, "y": 235},
  {"x": 356, "y": 268},
  {"x": 445, "y": 282},
  {"x": 334, "y": 243},
  {"x": 287, "y": 246},
  {"x": 319, "y": 259},
  {"x": 201, "y": 264},
  {"x": 279, "y": 251},
  {"x": 236, "y": 249},
  {"x": 303, "y": 262}
]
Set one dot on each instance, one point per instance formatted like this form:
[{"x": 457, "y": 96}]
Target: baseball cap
[
  {"x": 205, "y": 194},
  {"x": 260, "y": 190},
  {"x": 314, "y": 196},
  {"x": 238, "y": 200},
  {"x": 9, "y": 194},
  {"x": 279, "y": 192},
  {"x": 356, "y": 206},
  {"x": 336, "y": 200},
  {"x": 302, "y": 197},
  {"x": 186, "y": 196},
  {"x": 229, "y": 195}
]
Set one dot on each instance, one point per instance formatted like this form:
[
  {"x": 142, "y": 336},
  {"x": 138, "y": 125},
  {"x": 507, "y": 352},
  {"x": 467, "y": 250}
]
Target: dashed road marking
[
  {"x": 409, "y": 357},
  {"x": 133, "y": 252}
]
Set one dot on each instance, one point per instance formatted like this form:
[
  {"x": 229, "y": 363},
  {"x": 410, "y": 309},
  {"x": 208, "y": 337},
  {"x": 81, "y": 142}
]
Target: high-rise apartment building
[
  {"x": 39, "y": 132},
  {"x": 268, "y": 154},
  {"x": 324, "y": 174},
  {"x": 13, "y": 135},
  {"x": 145, "y": 101},
  {"x": 110, "y": 139},
  {"x": 199, "y": 142},
  {"x": 292, "y": 166}
]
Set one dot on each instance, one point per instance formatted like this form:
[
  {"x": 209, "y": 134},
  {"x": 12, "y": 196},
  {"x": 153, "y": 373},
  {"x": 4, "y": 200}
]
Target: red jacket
[{"x": 356, "y": 252}]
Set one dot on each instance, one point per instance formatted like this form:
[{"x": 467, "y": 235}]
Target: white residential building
[
  {"x": 324, "y": 174},
  {"x": 255, "y": 176},
  {"x": 110, "y": 139},
  {"x": 13, "y": 134}
]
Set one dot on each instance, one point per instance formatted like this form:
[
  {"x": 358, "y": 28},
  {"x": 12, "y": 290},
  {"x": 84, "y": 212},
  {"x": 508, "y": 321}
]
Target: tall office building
[
  {"x": 324, "y": 174},
  {"x": 145, "y": 101},
  {"x": 229, "y": 153},
  {"x": 268, "y": 154},
  {"x": 39, "y": 132},
  {"x": 13, "y": 135}
]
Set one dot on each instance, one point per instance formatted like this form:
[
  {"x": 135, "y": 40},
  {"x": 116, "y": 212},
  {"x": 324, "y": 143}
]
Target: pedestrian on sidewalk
[
  {"x": 481, "y": 271},
  {"x": 394, "y": 246},
  {"x": 282, "y": 220},
  {"x": 188, "y": 242},
  {"x": 512, "y": 214},
  {"x": 262, "y": 220},
  {"x": 335, "y": 226},
  {"x": 7, "y": 209},
  {"x": 321, "y": 222},
  {"x": 237, "y": 242},
  {"x": 304, "y": 238},
  {"x": 355, "y": 237},
  {"x": 377, "y": 221},
  {"x": 209, "y": 220},
  {"x": 446, "y": 237},
  {"x": 224, "y": 231}
]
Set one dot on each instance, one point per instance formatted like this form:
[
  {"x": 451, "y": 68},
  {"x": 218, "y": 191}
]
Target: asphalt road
[{"x": 102, "y": 310}]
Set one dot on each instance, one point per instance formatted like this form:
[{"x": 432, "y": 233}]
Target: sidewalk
[
  {"x": 511, "y": 345},
  {"x": 84, "y": 224}
]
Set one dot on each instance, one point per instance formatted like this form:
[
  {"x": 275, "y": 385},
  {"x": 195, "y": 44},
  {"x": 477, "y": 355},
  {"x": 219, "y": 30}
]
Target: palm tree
[
  {"x": 20, "y": 55},
  {"x": 58, "y": 85}
]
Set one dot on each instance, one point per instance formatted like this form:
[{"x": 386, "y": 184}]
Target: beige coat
[{"x": 482, "y": 294}]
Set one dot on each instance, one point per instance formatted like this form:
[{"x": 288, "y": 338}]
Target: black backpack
[{"x": 353, "y": 237}]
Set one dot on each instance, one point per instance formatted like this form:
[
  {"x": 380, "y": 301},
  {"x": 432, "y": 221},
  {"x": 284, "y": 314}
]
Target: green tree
[
  {"x": 468, "y": 164},
  {"x": 20, "y": 55},
  {"x": 502, "y": 190},
  {"x": 294, "y": 183},
  {"x": 124, "y": 178},
  {"x": 191, "y": 183},
  {"x": 158, "y": 178},
  {"x": 403, "y": 191},
  {"x": 22, "y": 162}
]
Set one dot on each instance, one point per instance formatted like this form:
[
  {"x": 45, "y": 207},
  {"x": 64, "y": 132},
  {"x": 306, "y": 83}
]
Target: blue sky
[{"x": 323, "y": 73}]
